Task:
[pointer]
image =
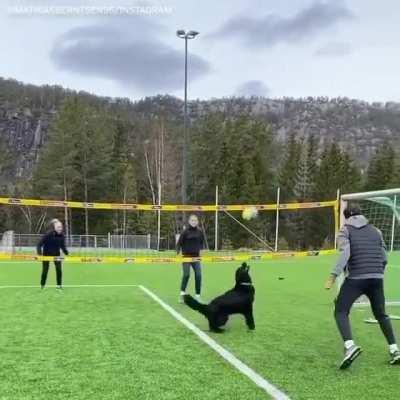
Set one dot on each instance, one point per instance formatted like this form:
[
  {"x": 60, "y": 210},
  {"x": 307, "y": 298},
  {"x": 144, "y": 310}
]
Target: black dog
[{"x": 238, "y": 300}]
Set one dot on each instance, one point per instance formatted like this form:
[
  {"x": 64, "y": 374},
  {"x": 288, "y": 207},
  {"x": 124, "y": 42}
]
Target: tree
[
  {"x": 238, "y": 155},
  {"x": 75, "y": 162},
  {"x": 381, "y": 169},
  {"x": 306, "y": 170},
  {"x": 302, "y": 222},
  {"x": 336, "y": 171},
  {"x": 289, "y": 167}
]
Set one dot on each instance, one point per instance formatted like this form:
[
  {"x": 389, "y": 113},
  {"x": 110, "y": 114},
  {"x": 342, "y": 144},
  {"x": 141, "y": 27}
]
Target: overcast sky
[{"x": 245, "y": 47}]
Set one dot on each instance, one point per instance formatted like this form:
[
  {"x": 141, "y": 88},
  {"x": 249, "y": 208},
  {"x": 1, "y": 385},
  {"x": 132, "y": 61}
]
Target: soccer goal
[{"x": 382, "y": 209}]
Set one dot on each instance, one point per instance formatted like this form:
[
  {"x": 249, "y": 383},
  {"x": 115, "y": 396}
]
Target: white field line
[
  {"x": 273, "y": 391},
  {"x": 65, "y": 286}
]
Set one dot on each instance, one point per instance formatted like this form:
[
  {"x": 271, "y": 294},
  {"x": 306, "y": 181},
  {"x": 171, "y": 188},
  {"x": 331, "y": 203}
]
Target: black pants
[
  {"x": 350, "y": 291},
  {"x": 186, "y": 275},
  {"x": 45, "y": 270}
]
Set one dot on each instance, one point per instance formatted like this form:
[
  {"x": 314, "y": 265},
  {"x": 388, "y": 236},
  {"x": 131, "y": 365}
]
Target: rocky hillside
[
  {"x": 357, "y": 126},
  {"x": 26, "y": 112}
]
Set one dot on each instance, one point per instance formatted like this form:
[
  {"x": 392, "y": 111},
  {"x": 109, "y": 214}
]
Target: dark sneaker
[
  {"x": 395, "y": 358},
  {"x": 349, "y": 356}
]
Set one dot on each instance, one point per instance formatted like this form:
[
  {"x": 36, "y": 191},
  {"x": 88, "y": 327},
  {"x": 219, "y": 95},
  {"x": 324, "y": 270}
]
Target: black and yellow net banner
[
  {"x": 165, "y": 260},
  {"x": 164, "y": 207}
]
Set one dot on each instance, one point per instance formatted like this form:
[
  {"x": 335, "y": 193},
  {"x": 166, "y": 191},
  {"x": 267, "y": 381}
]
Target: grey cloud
[
  {"x": 272, "y": 29},
  {"x": 252, "y": 88},
  {"x": 334, "y": 49},
  {"x": 133, "y": 58}
]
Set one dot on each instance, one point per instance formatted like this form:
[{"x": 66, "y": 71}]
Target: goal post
[{"x": 382, "y": 209}]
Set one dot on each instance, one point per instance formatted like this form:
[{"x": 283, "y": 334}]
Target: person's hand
[{"x": 330, "y": 282}]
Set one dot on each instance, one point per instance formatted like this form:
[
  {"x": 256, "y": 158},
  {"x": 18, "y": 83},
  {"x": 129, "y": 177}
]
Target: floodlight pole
[
  {"x": 185, "y": 138},
  {"x": 186, "y": 36},
  {"x": 338, "y": 212}
]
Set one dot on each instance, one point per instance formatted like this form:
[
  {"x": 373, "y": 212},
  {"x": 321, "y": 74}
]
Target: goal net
[
  {"x": 382, "y": 209},
  {"x": 7, "y": 244}
]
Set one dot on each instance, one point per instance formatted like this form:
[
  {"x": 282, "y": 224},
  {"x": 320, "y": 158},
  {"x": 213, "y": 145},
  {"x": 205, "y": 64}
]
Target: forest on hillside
[{"x": 98, "y": 149}]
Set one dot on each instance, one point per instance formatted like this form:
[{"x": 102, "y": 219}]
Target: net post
[
  {"x": 393, "y": 223},
  {"x": 159, "y": 216},
  {"x": 216, "y": 220},
  {"x": 337, "y": 211},
  {"x": 278, "y": 194}
]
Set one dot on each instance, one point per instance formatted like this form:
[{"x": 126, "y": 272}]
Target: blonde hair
[{"x": 53, "y": 222}]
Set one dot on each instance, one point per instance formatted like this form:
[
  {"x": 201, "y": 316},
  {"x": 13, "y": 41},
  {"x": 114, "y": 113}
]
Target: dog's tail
[{"x": 195, "y": 305}]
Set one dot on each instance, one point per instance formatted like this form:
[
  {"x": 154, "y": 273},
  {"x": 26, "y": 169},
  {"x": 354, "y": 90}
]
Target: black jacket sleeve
[
  {"x": 180, "y": 242},
  {"x": 40, "y": 245},
  {"x": 202, "y": 240},
  {"x": 64, "y": 247}
]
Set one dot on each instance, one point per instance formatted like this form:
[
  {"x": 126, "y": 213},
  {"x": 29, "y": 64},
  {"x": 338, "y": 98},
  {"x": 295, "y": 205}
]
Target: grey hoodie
[{"x": 343, "y": 243}]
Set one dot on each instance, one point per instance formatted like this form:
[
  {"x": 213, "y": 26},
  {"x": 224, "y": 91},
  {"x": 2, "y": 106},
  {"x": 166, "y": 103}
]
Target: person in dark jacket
[
  {"x": 363, "y": 259},
  {"x": 191, "y": 242},
  {"x": 50, "y": 245}
]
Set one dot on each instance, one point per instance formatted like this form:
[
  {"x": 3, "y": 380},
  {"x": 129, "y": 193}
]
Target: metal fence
[{"x": 110, "y": 241}]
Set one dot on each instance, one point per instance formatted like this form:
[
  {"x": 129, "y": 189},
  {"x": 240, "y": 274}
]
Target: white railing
[{"x": 110, "y": 241}]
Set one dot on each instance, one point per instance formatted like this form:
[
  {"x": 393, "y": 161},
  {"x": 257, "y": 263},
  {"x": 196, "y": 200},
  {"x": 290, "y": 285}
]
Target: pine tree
[
  {"x": 301, "y": 223},
  {"x": 381, "y": 169},
  {"x": 75, "y": 162},
  {"x": 336, "y": 171},
  {"x": 306, "y": 170},
  {"x": 289, "y": 168},
  {"x": 237, "y": 155}
]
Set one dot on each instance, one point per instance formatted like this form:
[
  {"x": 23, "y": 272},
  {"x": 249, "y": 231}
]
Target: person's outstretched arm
[
  {"x": 383, "y": 246},
  {"x": 343, "y": 242},
  {"x": 64, "y": 247},
  {"x": 202, "y": 240},
  {"x": 179, "y": 243}
]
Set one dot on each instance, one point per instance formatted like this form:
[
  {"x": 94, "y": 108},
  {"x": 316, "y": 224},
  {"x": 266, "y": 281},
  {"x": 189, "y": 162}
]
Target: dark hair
[{"x": 351, "y": 210}]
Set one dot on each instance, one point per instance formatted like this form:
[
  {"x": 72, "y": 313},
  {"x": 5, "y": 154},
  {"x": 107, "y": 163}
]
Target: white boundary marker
[{"x": 273, "y": 391}]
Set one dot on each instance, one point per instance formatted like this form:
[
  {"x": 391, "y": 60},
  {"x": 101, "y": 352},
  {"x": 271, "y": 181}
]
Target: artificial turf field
[{"x": 118, "y": 343}]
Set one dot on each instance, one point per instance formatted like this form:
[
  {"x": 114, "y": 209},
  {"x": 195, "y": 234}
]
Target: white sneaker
[
  {"x": 395, "y": 358},
  {"x": 181, "y": 297},
  {"x": 349, "y": 356},
  {"x": 198, "y": 298}
]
